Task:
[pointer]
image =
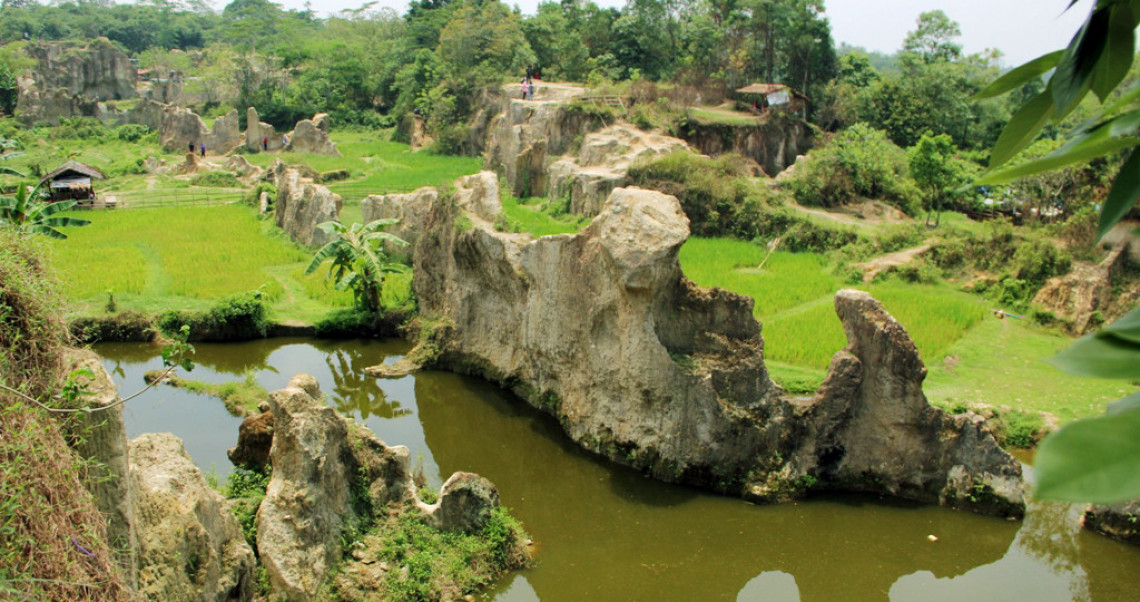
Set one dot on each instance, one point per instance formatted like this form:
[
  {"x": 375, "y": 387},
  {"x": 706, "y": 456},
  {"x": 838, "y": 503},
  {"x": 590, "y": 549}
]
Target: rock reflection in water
[{"x": 607, "y": 533}]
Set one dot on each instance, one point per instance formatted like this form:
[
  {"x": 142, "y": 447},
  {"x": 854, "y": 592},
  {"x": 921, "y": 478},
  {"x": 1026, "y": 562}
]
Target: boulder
[
  {"x": 246, "y": 172},
  {"x": 312, "y": 136},
  {"x": 1118, "y": 521},
  {"x": 302, "y": 205},
  {"x": 255, "y": 436},
  {"x": 410, "y": 208},
  {"x": 466, "y": 503},
  {"x": 643, "y": 367},
  {"x": 190, "y": 547}
]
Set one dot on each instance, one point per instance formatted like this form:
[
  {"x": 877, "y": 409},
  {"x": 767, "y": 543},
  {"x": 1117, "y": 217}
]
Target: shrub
[
  {"x": 351, "y": 324},
  {"x": 128, "y": 326},
  {"x": 237, "y": 318},
  {"x": 858, "y": 162},
  {"x": 1019, "y": 429},
  {"x": 1037, "y": 261},
  {"x": 131, "y": 132}
]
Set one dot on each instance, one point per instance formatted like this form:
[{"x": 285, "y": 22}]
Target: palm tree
[
  {"x": 27, "y": 213},
  {"x": 358, "y": 263}
]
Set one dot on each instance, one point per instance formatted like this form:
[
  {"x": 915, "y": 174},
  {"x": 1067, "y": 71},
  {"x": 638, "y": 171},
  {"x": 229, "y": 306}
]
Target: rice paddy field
[{"x": 971, "y": 356}]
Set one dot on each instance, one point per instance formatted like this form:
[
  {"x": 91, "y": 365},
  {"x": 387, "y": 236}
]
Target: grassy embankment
[
  {"x": 188, "y": 257},
  {"x": 971, "y": 355}
]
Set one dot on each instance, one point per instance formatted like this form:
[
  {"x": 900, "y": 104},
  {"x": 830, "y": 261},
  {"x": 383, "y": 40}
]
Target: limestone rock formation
[
  {"x": 246, "y": 172},
  {"x": 774, "y": 141},
  {"x": 256, "y": 130},
  {"x": 179, "y": 128},
  {"x": 226, "y": 135},
  {"x": 465, "y": 503},
  {"x": 190, "y": 545},
  {"x": 255, "y": 436},
  {"x": 526, "y": 135},
  {"x": 105, "y": 441},
  {"x": 308, "y": 500},
  {"x": 312, "y": 136},
  {"x": 1087, "y": 290},
  {"x": 410, "y": 208},
  {"x": 302, "y": 205},
  {"x": 68, "y": 79},
  {"x": 478, "y": 194},
  {"x": 1118, "y": 521},
  {"x": 602, "y": 164},
  {"x": 645, "y": 368}
]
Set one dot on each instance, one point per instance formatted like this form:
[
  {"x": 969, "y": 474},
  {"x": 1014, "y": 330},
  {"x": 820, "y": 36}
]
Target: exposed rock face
[
  {"x": 774, "y": 143},
  {"x": 465, "y": 503},
  {"x": 105, "y": 441},
  {"x": 602, "y": 164},
  {"x": 308, "y": 500},
  {"x": 312, "y": 136},
  {"x": 478, "y": 194},
  {"x": 410, "y": 208},
  {"x": 1087, "y": 290},
  {"x": 255, "y": 436},
  {"x": 190, "y": 545},
  {"x": 246, "y": 173},
  {"x": 179, "y": 128},
  {"x": 872, "y": 422},
  {"x": 527, "y": 134},
  {"x": 643, "y": 367},
  {"x": 302, "y": 205},
  {"x": 1118, "y": 521},
  {"x": 69, "y": 79},
  {"x": 225, "y": 135},
  {"x": 256, "y": 130}
]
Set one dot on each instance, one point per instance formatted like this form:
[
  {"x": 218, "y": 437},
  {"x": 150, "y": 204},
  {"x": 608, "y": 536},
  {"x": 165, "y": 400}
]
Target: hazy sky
[{"x": 1021, "y": 29}]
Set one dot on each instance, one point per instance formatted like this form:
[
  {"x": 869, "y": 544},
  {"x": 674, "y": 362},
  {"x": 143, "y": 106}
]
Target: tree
[
  {"x": 934, "y": 37},
  {"x": 27, "y": 213},
  {"x": 932, "y": 167},
  {"x": 358, "y": 262},
  {"x": 1095, "y": 459}
]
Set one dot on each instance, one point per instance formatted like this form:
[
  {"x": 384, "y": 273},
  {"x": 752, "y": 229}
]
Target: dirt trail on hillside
[{"x": 882, "y": 263}]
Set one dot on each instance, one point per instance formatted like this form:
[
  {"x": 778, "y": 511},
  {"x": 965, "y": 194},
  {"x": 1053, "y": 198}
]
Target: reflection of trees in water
[
  {"x": 1049, "y": 534},
  {"x": 353, "y": 391}
]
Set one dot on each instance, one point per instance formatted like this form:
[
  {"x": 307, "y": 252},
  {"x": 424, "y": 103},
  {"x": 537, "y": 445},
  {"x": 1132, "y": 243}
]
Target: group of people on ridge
[{"x": 527, "y": 82}]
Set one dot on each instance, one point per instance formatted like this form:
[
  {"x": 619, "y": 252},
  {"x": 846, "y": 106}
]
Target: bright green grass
[
  {"x": 722, "y": 117},
  {"x": 531, "y": 218},
  {"x": 787, "y": 280},
  {"x": 1001, "y": 362},
  {"x": 171, "y": 257}
]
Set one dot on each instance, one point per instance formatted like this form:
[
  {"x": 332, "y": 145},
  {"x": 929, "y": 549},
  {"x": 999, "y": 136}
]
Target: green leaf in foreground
[
  {"x": 1022, "y": 128},
  {"x": 1125, "y": 191},
  {"x": 1132, "y": 402},
  {"x": 1127, "y": 327},
  {"x": 1091, "y": 460},
  {"x": 1100, "y": 356},
  {"x": 1021, "y": 75}
]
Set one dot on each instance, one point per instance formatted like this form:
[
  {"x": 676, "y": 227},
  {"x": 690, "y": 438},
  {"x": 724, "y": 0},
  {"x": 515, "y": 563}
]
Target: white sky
[{"x": 1021, "y": 29}]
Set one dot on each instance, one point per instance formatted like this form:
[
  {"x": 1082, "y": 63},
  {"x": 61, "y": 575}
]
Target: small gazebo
[
  {"x": 762, "y": 96},
  {"x": 72, "y": 181}
]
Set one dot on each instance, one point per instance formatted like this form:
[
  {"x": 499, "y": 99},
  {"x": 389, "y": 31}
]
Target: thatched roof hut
[{"x": 72, "y": 180}]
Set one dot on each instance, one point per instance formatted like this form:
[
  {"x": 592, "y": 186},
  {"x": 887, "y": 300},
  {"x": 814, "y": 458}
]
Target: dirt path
[
  {"x": 867, "y": 214},
  {"x": 881, "y": 263}
]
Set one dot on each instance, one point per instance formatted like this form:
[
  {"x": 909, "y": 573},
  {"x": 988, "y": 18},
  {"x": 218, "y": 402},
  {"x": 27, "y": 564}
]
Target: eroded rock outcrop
[
  {"x": 1087, "y": 292},
  {"x": 410, "y": 208},
  {"x": 643, "y": 367},
  {"x": 226, "y": 134},
  {"x": 1118, "y": 521},
  {"x": 302, "y": 204},
  {"x": 328, "y": 474},
  {"x": 602, "y": 164},
  {"x": 774, "y": 141},
  {"x": 312, "y": 136},
  {"x": 68, "y": 80},
  {"x": 190, "y": 546},
  {"x": 257, "y": 131}
]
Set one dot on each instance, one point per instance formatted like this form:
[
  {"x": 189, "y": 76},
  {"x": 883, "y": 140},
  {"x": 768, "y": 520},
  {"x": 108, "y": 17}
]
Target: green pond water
[{"x": 604, "y": 532}]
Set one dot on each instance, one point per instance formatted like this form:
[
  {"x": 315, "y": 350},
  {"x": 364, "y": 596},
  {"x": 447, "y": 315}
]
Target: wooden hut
[
  {"x": 773, "y": 96},
  {"x": 72, "y": 181}
]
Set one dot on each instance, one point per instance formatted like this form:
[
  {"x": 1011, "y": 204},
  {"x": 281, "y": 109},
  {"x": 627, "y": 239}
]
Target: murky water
[{"x": 607, "y": 533}]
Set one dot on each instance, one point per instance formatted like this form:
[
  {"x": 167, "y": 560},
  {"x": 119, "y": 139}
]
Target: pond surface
[{"x": 606, "y": 533}]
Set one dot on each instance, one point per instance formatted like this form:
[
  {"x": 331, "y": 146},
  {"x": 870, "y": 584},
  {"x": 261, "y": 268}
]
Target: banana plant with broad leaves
[
  {"x": 359, "y": 263},
  {"x": 1096, "y": 459},
  {"x": 27, "y": 212}
]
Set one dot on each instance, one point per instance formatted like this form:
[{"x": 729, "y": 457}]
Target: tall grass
[{"x": 535, "y": 217}]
